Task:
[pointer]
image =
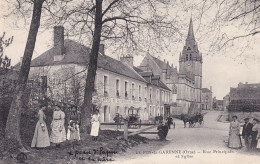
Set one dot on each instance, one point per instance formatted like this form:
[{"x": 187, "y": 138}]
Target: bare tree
[
  {"x": 127, "y": 26},
  {"x": 225, "y": 23},
  {"x": 12, "y": 131}
]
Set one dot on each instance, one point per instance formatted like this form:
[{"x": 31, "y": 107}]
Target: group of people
[
  {"x": 41, "y": 138},
  {"x": 250, "y": 134}
]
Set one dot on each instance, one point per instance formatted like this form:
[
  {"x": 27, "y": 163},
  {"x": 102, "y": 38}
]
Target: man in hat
[{"x": 247, "y": 129}]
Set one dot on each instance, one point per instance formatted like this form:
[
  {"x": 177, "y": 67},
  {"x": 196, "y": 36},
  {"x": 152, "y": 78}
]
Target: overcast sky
[{"x": 221, "y": 70}]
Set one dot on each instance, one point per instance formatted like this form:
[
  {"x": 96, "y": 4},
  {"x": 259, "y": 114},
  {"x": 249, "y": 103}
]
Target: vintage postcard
[{"x": 130, "y": 81}]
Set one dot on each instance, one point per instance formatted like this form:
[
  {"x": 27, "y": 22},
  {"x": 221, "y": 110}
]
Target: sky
[{"x": 221, "y": 70}]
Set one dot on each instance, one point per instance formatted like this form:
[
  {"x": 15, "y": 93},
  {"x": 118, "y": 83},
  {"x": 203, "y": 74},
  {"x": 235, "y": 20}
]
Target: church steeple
[{"x": 190, "y": 35}]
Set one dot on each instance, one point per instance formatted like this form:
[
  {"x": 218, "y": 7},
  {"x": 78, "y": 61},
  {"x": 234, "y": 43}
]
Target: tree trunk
[
  {"x": 12, "y": 131},
  {"x": 92, "y": 68}
]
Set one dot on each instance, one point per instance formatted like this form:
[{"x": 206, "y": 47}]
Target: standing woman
[
  {"x": 255, "y": 134},
  {"x": 58, "y": 133},
  {"x": 41, "y": 137},
  {"x": 234, "y": 140},
  {"x": 95, "y": 120}
]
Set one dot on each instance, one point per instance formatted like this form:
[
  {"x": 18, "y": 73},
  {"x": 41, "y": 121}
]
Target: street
[{"x": 190, "y": 145}]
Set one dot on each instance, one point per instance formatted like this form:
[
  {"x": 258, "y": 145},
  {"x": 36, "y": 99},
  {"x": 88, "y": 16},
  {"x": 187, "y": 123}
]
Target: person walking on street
[{"x": 247, "y": 129}]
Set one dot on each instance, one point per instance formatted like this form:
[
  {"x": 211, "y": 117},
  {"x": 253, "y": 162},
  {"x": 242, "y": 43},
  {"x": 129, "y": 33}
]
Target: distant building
[
  {"x": 207, "y": 101},
  {"x": 226, "y": 101},
  {"x": 219, "y": 105}
]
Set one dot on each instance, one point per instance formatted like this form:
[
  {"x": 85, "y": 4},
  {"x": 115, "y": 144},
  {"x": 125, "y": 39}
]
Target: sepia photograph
[{"x": 129, "y": 81}]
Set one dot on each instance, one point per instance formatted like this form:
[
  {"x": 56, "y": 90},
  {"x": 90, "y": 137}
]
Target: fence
[{"x": 126, "y": 127}]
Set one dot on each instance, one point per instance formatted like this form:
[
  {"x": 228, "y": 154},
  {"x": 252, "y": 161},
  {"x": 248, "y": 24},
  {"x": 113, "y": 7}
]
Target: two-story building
[{"x": 119, "y": 87}]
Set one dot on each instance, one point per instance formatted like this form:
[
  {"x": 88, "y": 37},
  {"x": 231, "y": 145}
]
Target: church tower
[{"x": 190, "y": 63}]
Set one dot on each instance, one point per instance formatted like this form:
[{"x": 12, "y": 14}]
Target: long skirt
[
  {"x": 234, "y": 140},
  {"x": 58, "y": 133},
  {"x": 258, "y": 144},
  {"x": 254, "y": 141},
  {"x": 41, "y": 137},
  {"x": 94, "y": 129}
]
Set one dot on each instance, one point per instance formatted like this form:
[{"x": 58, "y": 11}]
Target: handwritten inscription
[{"x": 100, "y": 154}]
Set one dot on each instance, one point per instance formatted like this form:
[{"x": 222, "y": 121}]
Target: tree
[
  {"x": 12, "y": 132},
  {"x": 129, "y": 26},
  {"x": 228, "y": 22},
  {"x": 5, "y": 62}
]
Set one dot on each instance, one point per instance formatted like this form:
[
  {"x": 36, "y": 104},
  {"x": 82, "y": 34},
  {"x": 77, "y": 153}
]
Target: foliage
[
  {"x": 244, "y": 105},
  {"x": 5, "y": 62}
]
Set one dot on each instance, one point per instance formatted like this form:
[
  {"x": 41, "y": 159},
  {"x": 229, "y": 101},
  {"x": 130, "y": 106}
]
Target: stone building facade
[
  {"x": 206, "y": 101},
  {"x": 185, "y": 84},
  {"x": 120, "y": 87}
]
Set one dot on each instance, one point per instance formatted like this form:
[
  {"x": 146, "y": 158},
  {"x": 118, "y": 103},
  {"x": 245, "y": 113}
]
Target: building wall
[
  {"x": 109, "y": 102},
  {"x": 207, "y": 101}
]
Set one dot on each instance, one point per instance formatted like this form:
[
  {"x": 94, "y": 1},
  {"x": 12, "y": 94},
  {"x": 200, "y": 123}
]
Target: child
[{"x": 73, "y": 131}]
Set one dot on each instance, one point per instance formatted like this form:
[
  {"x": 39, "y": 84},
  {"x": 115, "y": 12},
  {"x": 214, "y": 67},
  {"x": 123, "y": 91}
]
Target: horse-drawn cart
[
  {"x": 134, "y": 120},
  {"x": 192, "y": 119}
]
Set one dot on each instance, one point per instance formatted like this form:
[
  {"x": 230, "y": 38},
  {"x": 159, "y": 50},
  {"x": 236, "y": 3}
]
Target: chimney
[
  {"x": 211, "y": 88},
  {"x": 127, "y": 60},
  {"x": 58, "y": 43},
  {"x": 102, "y": 49},
  {"x": 21, "y": 59}
]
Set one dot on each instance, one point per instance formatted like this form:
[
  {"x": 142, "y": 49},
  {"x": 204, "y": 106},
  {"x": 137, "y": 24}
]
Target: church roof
[{"x": 205, "y": 90}]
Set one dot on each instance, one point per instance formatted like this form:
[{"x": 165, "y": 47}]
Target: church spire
[{"x": 190, "y": 35}]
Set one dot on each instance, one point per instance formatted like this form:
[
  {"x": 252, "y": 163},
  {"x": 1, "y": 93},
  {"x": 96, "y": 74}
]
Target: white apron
[{"x": 95, "y": 125}]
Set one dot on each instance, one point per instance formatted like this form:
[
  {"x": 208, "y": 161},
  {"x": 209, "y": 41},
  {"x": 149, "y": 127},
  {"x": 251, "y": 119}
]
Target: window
[
  {"x": 126, "y": 88},
  {"x": 150, "y": 110},
  {"x": 190, "y": 56},
  {"x": 150, "y": 94},
  {"x": 162, "y": 96},
  {"x": 187, "y": 57},
  {"x": 133, "y": 90},
  {"x": 105, "y": 86},
  {"x": 157, "y": 94},
  {"x": 117, "y": 109},
  {"x": 117, "y": 87},
  {"x": 188, "y": 48},
  {"x": 140, "y": 92},
  {"x": 145, "y": 92}
]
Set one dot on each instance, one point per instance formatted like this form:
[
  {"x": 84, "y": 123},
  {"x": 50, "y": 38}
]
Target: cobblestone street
[{"x": 190, "y": 145}]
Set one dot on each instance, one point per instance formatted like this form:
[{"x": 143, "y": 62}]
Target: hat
[
  {"x": 256, "y": 120},
  {"x": 234, "y": 117},
  {"x": 246, "y": 119}
]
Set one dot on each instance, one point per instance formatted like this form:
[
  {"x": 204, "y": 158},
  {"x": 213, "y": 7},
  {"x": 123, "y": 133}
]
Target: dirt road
[{"x": 206, "y": 144}]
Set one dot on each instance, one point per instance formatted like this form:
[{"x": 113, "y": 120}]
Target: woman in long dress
[
  {"x": 41, "y": 137},
  {"x": 95, "y": 120},
  {"x": 58, "y": 133},
  {"x": 234, "y": 140},
  {"x": 255, "y": 134}
]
